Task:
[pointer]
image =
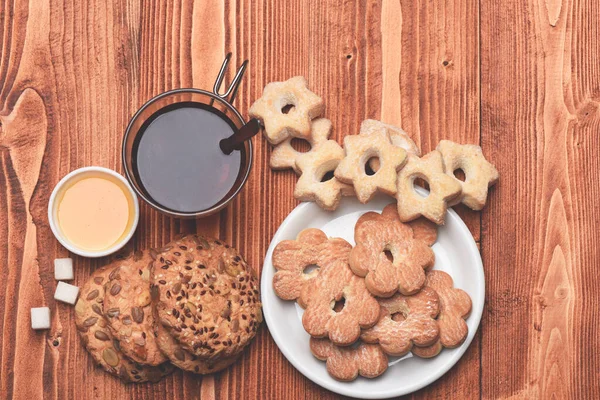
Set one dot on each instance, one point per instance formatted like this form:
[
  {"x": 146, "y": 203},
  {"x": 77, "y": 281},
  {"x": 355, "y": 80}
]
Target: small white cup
[{"x": 53, "y": 209}]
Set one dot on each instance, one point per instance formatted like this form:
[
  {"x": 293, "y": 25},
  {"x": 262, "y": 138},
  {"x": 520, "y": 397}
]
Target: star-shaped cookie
[
  {"x": 442, "y": 189},
  {"x": 480, "y": 174},
  {"x": 362, "y": 148},
  {"x": 284, "y": 155},
  {"x": 314, "y": 166},
  {"x": 398, "y": 137},
  {"x": 272, "y": 109}
]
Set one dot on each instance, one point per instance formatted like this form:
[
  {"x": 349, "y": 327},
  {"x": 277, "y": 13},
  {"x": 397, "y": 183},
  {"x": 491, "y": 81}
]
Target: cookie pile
[
  {"x": 378, "y": 299},
  {"x": 381, "y": 158},
  {"x": 193, "y": 304}
]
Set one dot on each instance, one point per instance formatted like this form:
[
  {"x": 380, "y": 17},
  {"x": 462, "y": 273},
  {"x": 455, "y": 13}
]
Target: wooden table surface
[{"x": 519, "y": 77}]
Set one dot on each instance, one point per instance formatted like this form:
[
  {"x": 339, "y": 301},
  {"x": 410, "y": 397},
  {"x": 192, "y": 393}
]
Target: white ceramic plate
[{"x": 455, "y": 253}]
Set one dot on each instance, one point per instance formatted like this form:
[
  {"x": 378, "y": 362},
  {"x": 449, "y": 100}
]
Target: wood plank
[
  {"x": 539, "y": 233},
  {"x": 312, "y": 40},
  {"x": 72, "y": 73},
  {"x": 438, "y": 83}
]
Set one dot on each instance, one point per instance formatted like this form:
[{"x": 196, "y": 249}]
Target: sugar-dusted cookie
[
  {"x": 405, "y": 321},
  {"x": 346, "y": 363},
  {"x": 280, "y": 122},
  {"x": 292, "y": 257},
  {"x": 284, "y": 155},
  {"x": 455, "y": 306},
  {"x": 442, "y": 189},
  {"x": 207, "y": 296},
  {"x": 337, "y": 283},
  {"x": 98, "y": 339},
  {"x": 128, "y": 309},
  {"x": 398, "y": 137},
  {"x": 314, "y": 183},
  {"x": 185, "y": 360},
  {"x": 380, "y": 237},
  {"x": 359, "y": 150},
  {"x": 480, "y": 174}
]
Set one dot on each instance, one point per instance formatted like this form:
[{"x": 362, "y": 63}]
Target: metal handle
[{"x": 229, "y": 95}]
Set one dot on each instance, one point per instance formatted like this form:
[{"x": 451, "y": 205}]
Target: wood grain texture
[
  {"x": 520, "y": 77},
  {"x": 544, "y": 137}
]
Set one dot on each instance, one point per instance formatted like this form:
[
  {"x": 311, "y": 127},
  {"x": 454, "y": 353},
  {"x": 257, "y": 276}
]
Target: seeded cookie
[
  {"x": 207, "y": 296},
  {"x": 186, "y": 360},
  {"x": 128, "y": 309},
  {"x": 98, "y": 339}
]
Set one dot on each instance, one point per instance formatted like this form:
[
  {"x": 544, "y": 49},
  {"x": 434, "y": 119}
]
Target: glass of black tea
[{"x": 171, "y": 152}]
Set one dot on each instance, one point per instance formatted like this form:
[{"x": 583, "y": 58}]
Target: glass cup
[{"x": 221, "y": 103}]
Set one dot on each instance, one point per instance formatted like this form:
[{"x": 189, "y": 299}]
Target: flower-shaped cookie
[
  {"x": 405, "y": 321},
  {"x": 398, "y": 137},
  {"x": 380, "y": 237},
  {"x": 424, "y": 230},
  {"x": 292, "y": 257},
  {"x": 272, "y": 106},
  {"x": 442, "y": 189},
  {"x": 455, "y": 306},
  {"x": 362, "y": 148},
  {"x": 337, "y": 283},
  {"x": 284, "y": 155},
  {"x": 314, "y": 166},
  {"x": 480, "y": 174},
  {"x": 346, "y": 363}
]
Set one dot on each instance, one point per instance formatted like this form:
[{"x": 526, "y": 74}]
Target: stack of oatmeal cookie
[{"x": 194, "y": 304}]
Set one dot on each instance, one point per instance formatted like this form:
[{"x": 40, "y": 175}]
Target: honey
[{"x": 95, "y": 211}]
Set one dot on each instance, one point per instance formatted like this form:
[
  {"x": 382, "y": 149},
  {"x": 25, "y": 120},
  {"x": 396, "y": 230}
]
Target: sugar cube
[
  {"x": 66, "y": 293},
  {"x": 40, "y": 318},
  {"x": 63, "y": 269}
]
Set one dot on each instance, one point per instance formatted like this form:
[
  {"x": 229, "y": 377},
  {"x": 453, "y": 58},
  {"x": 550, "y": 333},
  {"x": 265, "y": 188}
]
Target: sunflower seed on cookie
[
  {"x": 128, "y": 309},
  {"x": 185, "y": 360},
  {"x": 98, "y": 339},
  {"x": 207, "y": 296}
]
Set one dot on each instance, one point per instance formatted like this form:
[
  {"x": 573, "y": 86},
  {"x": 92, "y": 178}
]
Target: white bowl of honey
[{"x": 93, "y": 212}]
